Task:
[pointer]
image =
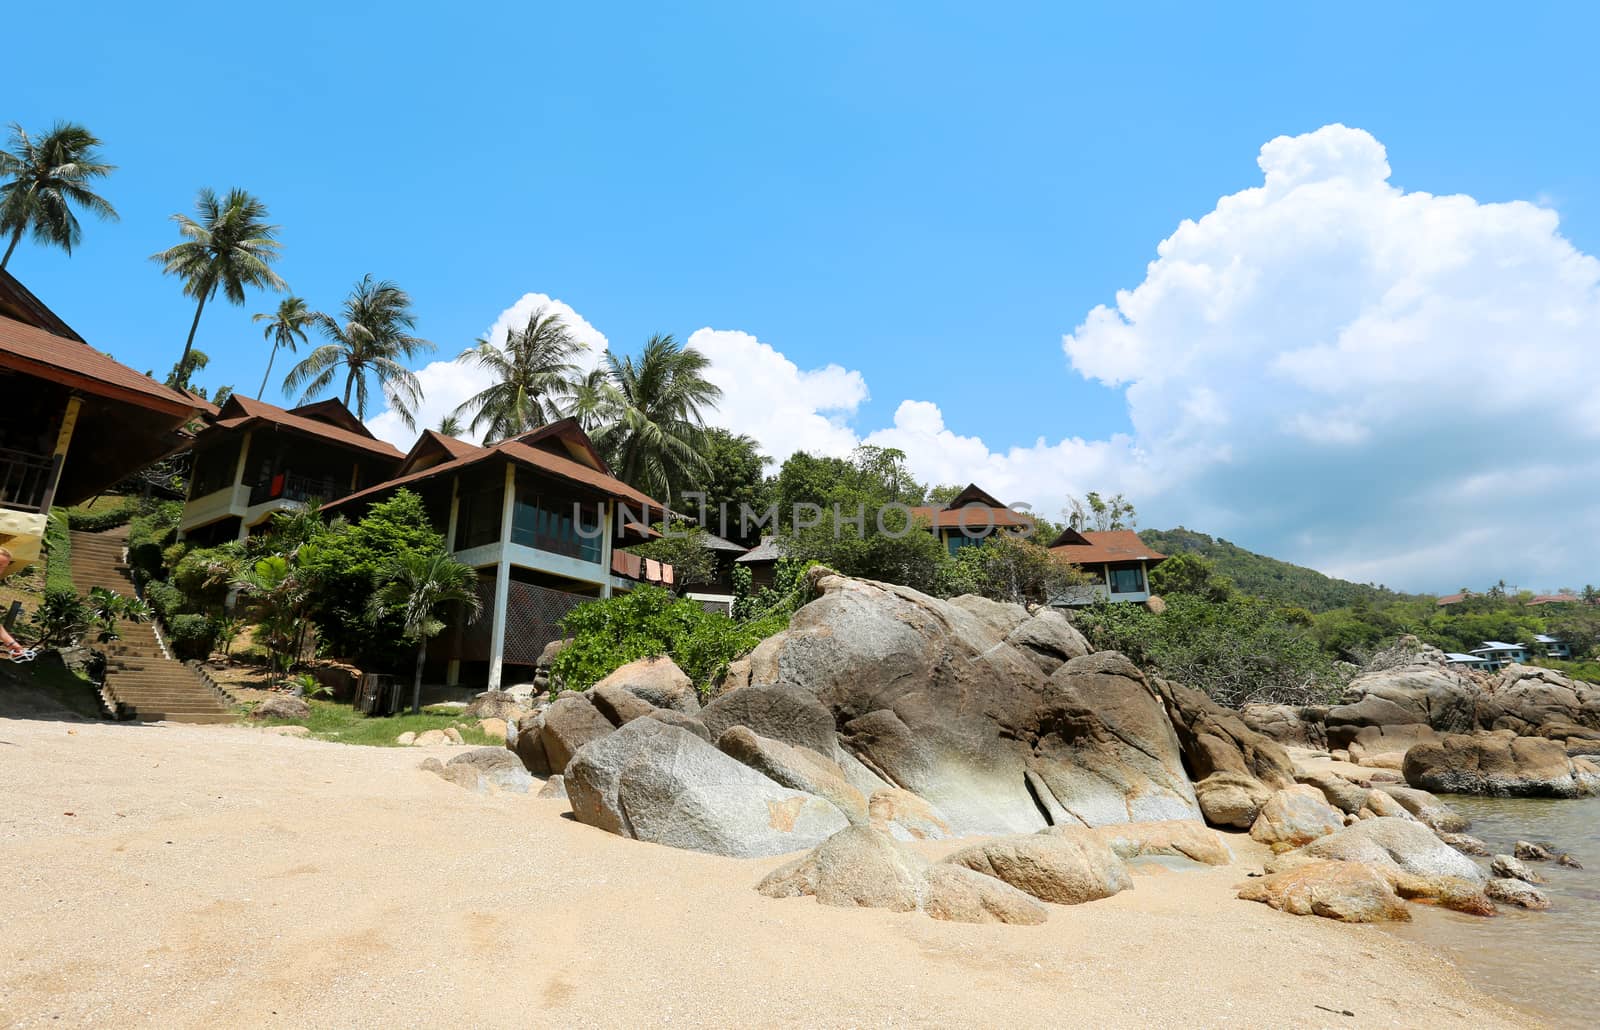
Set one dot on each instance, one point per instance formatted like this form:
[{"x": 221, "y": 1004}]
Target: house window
[
  {"x": 957, "y": 541},
  {"x": 478, "y": 517},
  {"x": 1127, "y": 581},
  {"x": 554, "y": 523}
]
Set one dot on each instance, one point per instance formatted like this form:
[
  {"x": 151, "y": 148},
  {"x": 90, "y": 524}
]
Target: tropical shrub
[
  {"x": 149, "y": 534},
  {"x": 1012, "y": 569},
  {"x": 191, "y": 636},
  {"x": 1238, "y": 651},
  {"x": 95, "y": 520},
  {"x": 647, "y": 622},
  {"x": 62, "y": 617},
  {"x": 164, "y": 599}
]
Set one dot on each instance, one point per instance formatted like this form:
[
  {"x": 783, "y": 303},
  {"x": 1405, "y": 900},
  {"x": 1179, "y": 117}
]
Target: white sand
[{"x": 214, "y": 876}]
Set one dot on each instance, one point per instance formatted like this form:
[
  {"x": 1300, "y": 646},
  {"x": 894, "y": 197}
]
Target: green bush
[
  {"x": 164, "y": 599},
  {"x": 149, "y": 534},
  {"x": 191, "y": 636},
  {"x": 103, "y": 517},
  {"x": 647, "y": 622},
  {"x": 62, "y": 618}
]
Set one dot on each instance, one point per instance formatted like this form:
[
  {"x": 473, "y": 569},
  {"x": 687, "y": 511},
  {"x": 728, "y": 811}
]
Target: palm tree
[
  {"x": 284, "y": 327},
  {"x": 530, "y": 371},
  {"x": 589, "y": 399},
  {"x": 373, "y": 339},
  {"x": 230, "y": 248},
  {"x": 649, "y": 423},
  {"x": 418, "y": 585},
  {"x": 47, "y": 178},
  {"x": 450, "y": 425}
]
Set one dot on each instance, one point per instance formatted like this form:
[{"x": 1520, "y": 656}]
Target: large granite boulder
[
  {"x": 798, "y": 768},
  {"x": 1540, "y": 702},
  {"x": 281, "y": 706},
  {"x": 1231, "y": 799},
  {"x": 1426, "y": 809},
  {"x": 1346, "y": 891},
  {"x": 1295, "y": 816},
  {"x": 495, "y": 704},
  {"x": 658, "y": 682},
  {"x": 1501, "y": 764},
  {"x": 1065, "y": 868},
  {"x": 500, "y": 768},
  {"x": 776, "y": 711},
  {"x": 659, "y": 783},
  {"x": 1049, "y": 639},
  {"x": 1422, "y": 693},
  {"x": 568, "y": 724},
  {"x": 905, "y": 816},
  {"x": 1216, "y": 740},
  {"x": 931, "y": 698},
  {"x": 859, "y": 867},
  {"x": 1171, "y": 838},
  {"x": 617, "y": 704}
]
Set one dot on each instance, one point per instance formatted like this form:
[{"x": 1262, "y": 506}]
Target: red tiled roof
[
  {"x": 1556, "y": 599},
  {"x": 1451, "y": 599},
  {"x": 545, "y": 461},
  {"x": 30, "y": 349},
  {"x": 260, "y": 411},
  {"x": 1111, "y": 545},
  {"x": 976, "y": 518}
]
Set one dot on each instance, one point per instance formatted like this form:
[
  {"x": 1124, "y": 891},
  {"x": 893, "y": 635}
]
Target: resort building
[
  {"x": 1457, "y": 660},
  {"x": 1500, "y": 654},
  {"x": 61, "y": 394},
  {"x": 1117, "y": 562},
  {"x": 543, "y": 520},
  {"x": 971, "y": 517},
  {"x": 1554, "y": 647},
  {"x": 256, "y": 458}
]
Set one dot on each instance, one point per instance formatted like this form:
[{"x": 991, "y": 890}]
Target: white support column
[
  {"x": 455, "y": 513},
  {"x": 502, "y": 580},
  {"x": 609, "y": 521}
]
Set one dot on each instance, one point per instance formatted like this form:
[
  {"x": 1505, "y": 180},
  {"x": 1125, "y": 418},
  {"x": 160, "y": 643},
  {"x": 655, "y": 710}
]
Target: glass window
[
  {"x": 555, "y": 523},
  {"x": 478, "y": 517},
  {"x": 1127, "y": 581}
]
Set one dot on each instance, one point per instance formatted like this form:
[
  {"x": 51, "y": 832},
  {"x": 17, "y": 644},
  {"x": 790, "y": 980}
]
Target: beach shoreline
[{"x": 183, "y": 876}]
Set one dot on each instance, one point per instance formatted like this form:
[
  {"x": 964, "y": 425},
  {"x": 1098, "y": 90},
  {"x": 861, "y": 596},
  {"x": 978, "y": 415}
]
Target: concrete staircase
[{"x": 142, "y": 681}]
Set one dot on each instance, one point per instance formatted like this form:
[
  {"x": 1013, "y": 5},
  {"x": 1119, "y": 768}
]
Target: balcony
[
  {"x": 295, "y": 488},
  {"x": 25, "y": 480}
]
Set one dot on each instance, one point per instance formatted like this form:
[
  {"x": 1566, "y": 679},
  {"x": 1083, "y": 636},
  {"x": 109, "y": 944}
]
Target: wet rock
[
  {"x": 1516, "y": 891},
  {"x": 1346, "y": 891},
  {"x": 1507, "y": 867},
  {"x": 1500, "y": 764}
]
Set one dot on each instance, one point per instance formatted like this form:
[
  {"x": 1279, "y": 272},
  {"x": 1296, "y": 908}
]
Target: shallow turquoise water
[{"x": 1547, "y": 963}]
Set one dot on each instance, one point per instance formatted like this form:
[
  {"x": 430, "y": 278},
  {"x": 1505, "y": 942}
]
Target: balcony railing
[
  {"x": 289, "y": 486},
  {"x": 26, "y": 479}
]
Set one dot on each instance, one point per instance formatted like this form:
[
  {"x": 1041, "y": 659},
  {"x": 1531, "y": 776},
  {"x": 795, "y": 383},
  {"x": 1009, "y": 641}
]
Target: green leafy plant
[
  {"x": 62, "y": 618},
  {"x": 310, "y": 686},
  {"x": 228, "y": 630},
  {"x": 107, "y": 608},
  {"x": 104, "y": 516},
  {"x": 418, "y": 587},
  {"x": 191, "y": 636}
]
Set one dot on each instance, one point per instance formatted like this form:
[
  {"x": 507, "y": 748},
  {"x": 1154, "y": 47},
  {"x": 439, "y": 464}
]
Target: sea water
[{"x": 1546, "y": 963}]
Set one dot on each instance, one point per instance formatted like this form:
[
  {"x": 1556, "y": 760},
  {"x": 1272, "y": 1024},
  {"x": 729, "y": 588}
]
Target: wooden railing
[{"x": 26, "y": 480}]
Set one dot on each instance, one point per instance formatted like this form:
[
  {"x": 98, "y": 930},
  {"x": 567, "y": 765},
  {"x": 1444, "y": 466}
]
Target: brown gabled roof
[
  {"x": 18, "y": 302},
  {"x": 71, "y": 362},
  {"x": 517, "y": 450},
  {"x": 973, "y": 494},
  {"x": 976, "y": 518},
  {"x": 1100, "y": 546},
  {"x": 240, "y": 412},
  {"x": 435, "y": 445}
]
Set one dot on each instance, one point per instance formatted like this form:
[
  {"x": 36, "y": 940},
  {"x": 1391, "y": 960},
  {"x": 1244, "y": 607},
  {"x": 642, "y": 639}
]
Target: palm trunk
[
  {"x": 416, "y": 684},
  {"x": 270, "y": 358},
  {"x": 188, "y": 345},
  {"x": 349, "y": 384},
  {"x": 14, "y": 238}
]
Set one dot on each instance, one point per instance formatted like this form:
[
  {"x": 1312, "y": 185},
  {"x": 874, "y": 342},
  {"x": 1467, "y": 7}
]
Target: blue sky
[{"x": 929, "y": 196}]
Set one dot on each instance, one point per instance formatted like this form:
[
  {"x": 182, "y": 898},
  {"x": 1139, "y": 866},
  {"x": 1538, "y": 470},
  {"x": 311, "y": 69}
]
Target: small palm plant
[
  {"x": 278, "y": 595},
  {"x": 418, "y": 587},
  {"x": 47, "y": 177}
]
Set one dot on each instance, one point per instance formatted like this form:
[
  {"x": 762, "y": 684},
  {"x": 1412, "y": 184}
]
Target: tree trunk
[
  {"x": 349, "y": 384},
  {"x": 183, "y": 371},
  {"x": 416, "y": 684},
  {"x": 270, "y": 358},
  {"x": 14, "y": 238}
]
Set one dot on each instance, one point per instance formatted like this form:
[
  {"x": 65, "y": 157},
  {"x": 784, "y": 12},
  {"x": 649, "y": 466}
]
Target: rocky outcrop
[
  {"x": 929, "y": 696},
  {"x": 662, "y": 784},
  {"x": 1296, "y": 725},
  {"x": 1295, "y": 816},
  {"x": 1500, "y": 764},
  {"x": 1216, "y": 739},
  {"x": 1426, "y": 809},
  {"x": 618, "y": 705},
  {"x": 1516, "y": 892},
  {"x": 1398, "y": 845},
  {"x": 1346, "y": 891},
  {"x": 1067, "y": 868},
  {"x": 1421, "y": 694},
  {"x": 1049, "y": 639},
  {"x": 859, "y": 867},
  {"x": 904, "y": 816},
  {"x": 1540, "y": 702},
  {"x": 656, "y": 681},
  {"x": 499, "y": 768},
  {"x": 1171, "y": 838},
  {"x": 1512, "y": 868}
]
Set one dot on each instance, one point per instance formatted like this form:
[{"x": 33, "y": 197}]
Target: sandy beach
[{"x": 203, "y": 876}]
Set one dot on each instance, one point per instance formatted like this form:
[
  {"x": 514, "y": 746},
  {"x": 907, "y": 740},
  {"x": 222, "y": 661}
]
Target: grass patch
[
  {"x": 342, "y": 724},
  {"x": 58, "y": 554}
]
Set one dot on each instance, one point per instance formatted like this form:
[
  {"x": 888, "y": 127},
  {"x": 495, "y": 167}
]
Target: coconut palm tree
[
  {"x": 285, "y": 327},
  {"x": 649, "y": 422},
  {"x": 371, "y": 341},
  {"x": 589, "y": 399},
  {"x": 48, "y": 176},
  {"x": 450, "y": 425},
  {"x": 417, "y": 587},
  {"x": 230, "y": 248},
  {"x": 531, "y": 371}
]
